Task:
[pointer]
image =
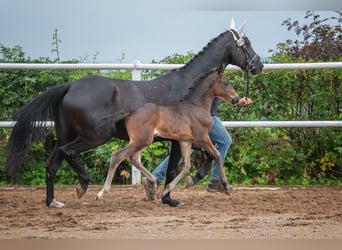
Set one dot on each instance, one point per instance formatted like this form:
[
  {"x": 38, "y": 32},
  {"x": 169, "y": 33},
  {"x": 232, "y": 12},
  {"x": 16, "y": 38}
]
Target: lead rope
[
  {"x": 247, "y": 83},
  {"x": 249, "y": 69}
]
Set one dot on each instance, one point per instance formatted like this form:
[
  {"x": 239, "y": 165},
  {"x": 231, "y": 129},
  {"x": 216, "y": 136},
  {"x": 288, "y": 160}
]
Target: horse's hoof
[
  {"x": 159, "y": 194},
  {"x": 56, "y": 204},
  {"x": 99, "y": 196},
  {"x": 189, "y": 182},
  {"x": 171, "y": 202},
  {"x": 149, "y": 189},
  {"x": 228, "y": 189},
  {"x": 80, "y": 191},
  {"x": 174, "y": 203}
]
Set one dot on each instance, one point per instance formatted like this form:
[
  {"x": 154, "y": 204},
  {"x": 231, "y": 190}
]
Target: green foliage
[
  {"x": 21, "y": 86},
  {"x": 154, "y": 153},
  {"x": 291, "y": 155},
  {"x": 304, "y": 95}
]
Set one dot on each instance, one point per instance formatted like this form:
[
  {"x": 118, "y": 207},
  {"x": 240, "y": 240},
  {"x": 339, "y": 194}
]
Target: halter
[{"x": 240, "y": 42}]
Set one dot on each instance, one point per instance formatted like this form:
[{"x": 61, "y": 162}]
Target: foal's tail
[{"x": 29, "y": 125}]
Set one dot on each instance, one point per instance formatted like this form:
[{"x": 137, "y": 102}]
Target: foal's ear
[{"x": 221, "y": 69}]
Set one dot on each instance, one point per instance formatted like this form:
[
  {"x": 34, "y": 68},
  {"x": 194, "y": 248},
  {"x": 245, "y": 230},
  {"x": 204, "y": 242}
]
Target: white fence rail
[
  {"x": 136, "y": 68},
  {"x": 136, "y": 65},
  {"x": 237, "y": 124}
]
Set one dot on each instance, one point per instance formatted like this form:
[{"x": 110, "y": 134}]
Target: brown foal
[{"x": 186, "y": 121}]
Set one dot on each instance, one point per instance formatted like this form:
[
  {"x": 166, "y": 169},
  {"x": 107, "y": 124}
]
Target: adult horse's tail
[{"x": 28, "y": 128}]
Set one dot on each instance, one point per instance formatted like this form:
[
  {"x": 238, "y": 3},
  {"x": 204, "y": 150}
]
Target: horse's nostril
[{"x": 235, "y": 100}]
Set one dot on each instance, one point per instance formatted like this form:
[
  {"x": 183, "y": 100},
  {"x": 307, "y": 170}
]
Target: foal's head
[{"x": 223, "y": 89}]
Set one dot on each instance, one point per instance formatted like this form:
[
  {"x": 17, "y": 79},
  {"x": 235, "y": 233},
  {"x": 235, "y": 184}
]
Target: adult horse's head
[{"x": 244, "y": 56}]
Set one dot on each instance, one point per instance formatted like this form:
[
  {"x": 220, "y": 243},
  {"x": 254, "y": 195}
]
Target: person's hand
[{"x": 245, "y": 101}]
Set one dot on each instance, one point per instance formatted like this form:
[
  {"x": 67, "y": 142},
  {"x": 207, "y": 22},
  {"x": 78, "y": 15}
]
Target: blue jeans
[{"x": 219, "y": 137}]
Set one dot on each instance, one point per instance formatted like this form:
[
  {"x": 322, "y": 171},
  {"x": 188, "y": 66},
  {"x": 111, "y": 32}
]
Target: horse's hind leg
[
  {"x": 83, "y": 177},
  {"x": 71, "y": 153},
  {"x": 116, "y": 158},
  {"x": 52, "y": 165},
  {"x": 66, "y": 152}
]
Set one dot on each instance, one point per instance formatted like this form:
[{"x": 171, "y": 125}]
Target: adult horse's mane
[{"x": 201, "y": 52}]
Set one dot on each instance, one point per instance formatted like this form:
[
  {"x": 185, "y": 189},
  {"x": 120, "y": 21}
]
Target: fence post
[{"x": 136, "y": 174}]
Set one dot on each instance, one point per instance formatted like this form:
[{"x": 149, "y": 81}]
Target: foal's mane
[{"x": 198, "y": 84}]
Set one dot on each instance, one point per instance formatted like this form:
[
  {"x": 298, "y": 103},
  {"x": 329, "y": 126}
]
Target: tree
[{"x": 319, "y": 39}]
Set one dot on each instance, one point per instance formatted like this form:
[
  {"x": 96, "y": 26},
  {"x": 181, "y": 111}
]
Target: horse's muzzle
[
  {"x": 255, "y": 65},
  {"x": 235, "y": 100}
]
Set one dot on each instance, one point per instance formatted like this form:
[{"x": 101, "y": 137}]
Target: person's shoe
[
  {"x": 216, "y": 186},
  {"x": 188, "y": 182},
  {"x": 148, "y": 189}
]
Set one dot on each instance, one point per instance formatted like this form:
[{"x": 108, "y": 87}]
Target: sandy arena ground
[{"x": 249, "y": 213}]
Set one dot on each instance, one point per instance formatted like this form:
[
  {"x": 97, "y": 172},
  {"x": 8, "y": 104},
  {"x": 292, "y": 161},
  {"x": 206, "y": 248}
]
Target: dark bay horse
[
  {"x": 187, "y": 122},
  {"x": 80, "y": 109}
]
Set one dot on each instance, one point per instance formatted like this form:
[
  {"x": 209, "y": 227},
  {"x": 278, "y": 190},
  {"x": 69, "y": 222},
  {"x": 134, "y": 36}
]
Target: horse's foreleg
[
  {"x": 185, "y": 150},
  {"x": 52, "y": 165},
  {"x": 222, "y": 173},
  {"x": 209, "y": 147}
]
